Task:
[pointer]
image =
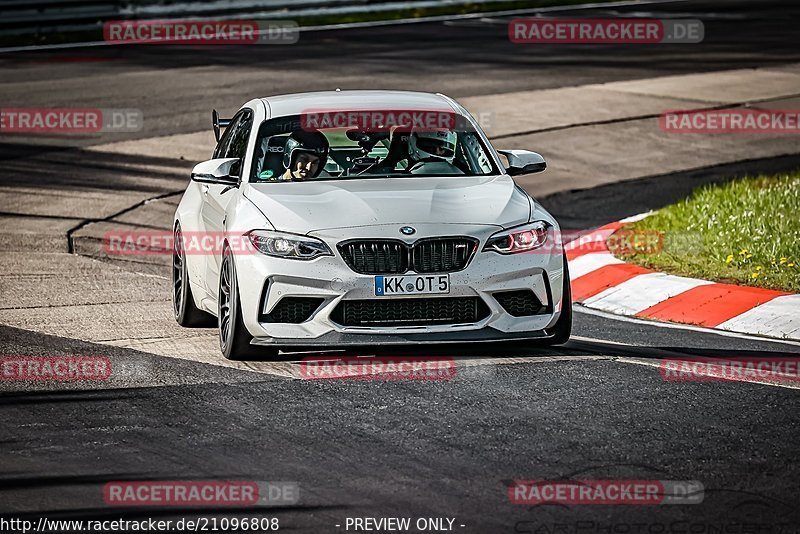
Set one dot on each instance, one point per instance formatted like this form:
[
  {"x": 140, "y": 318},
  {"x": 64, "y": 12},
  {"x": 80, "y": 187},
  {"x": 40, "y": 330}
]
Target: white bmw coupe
[{"x": 363, "y": 218}]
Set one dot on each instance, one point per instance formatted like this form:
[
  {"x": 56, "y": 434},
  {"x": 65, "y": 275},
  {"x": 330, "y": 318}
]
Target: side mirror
[
  {"x": 523, "y": 162},
  {"x": 223, "y": 171}
]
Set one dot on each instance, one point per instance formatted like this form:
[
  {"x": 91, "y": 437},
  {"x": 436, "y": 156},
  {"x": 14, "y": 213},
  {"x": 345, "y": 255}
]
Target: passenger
[
  {"x": 305, "y": 155},
  {"x": 433, "y": 152}
]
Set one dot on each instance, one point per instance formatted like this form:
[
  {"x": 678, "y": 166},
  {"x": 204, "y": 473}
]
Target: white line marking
[
  {"x": 595, "y": 340},
  {"x": 580, "y": 309},
  {"x": 636, "y": 218}
]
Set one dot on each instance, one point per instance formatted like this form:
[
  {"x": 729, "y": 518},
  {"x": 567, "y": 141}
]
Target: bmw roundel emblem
[{"x": 407, "y": 230}]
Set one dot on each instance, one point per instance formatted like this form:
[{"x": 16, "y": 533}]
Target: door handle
[{"x": 204, "y": 188}]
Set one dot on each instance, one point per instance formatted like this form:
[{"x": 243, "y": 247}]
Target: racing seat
[
  {"x": 398, "y": 148},
  {"x": 269, "y": 157}
]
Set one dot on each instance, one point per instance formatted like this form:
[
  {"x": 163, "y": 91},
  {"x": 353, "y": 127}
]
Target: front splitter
[{"x": 351, "y": 339}]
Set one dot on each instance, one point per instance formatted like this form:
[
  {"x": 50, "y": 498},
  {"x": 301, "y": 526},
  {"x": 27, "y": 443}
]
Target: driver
[
  {"x": 304, "y": 155},
  {"x": 433, "y": 152}
]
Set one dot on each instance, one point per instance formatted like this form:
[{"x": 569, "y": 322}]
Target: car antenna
[{"x": 338, "y": 90}]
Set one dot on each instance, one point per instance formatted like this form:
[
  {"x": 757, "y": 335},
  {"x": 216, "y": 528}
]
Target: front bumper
[{"x": 264, "y": 281}]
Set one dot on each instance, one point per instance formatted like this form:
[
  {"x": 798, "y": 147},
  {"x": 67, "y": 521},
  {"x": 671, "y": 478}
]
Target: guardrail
[{"x": 25, "y": 17}]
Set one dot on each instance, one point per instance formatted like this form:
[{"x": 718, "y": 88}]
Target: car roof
[{"x": 295, "y": 104}]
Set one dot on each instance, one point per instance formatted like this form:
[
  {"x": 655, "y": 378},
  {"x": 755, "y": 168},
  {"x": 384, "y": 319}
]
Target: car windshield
[{"x": 293, "y": 149}]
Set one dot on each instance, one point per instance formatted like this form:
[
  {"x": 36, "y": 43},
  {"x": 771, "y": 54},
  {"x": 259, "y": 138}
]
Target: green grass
[
  {"x": 320, "y": 20},
  {"x": 745, "y": 232}
]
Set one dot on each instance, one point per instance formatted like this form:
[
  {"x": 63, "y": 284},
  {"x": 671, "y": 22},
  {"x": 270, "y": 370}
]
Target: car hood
[{"x": 302, "y": 207}]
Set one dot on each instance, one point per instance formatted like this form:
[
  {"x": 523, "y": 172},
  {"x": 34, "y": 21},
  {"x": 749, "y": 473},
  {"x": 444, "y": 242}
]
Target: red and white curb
[{"x": 603, "y": 282}]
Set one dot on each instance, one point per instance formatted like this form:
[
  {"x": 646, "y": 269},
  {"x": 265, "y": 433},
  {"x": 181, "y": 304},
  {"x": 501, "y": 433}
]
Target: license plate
[{"x": 412, "y": 285}]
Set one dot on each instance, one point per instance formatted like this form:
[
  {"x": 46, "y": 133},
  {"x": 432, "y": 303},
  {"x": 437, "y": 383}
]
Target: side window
[
  {"x": 237, "y": 148},
  {"x": 225, "y": 140},
  {"x": 234, "y": 141}
]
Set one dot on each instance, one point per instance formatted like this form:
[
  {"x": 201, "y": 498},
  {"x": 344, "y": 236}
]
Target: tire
[
  {"x": 234, "y": 339},
  {"x": 183, "y": 307},
  {"x": 563, "y": 327}
]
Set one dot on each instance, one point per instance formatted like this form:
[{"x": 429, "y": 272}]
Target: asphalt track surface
[{"x": 592, "y": 409}]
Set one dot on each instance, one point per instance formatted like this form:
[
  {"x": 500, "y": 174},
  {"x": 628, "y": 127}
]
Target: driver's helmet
[
  {"x": 432, "y": 145},
  {"x": 308, "y": 141}
]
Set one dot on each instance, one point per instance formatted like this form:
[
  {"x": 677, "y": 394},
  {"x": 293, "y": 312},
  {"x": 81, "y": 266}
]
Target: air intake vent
[
  {"x": 410, "y": 312},
  {"x": 520, "y": 303},
  {"x": 292, "y": 310}
]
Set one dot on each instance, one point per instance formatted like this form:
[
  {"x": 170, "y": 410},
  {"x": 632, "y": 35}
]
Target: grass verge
[{"x": 745, "y": 232}]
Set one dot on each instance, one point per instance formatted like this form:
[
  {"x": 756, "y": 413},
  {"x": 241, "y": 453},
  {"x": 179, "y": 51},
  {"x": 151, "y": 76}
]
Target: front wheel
[
  {"x": 234, "y": 339},
  {"x": 563, "y": 327}
]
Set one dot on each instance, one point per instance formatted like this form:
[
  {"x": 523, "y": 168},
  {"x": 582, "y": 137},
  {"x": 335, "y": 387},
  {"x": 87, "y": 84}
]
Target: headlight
[
  {"x": 282, "y": 245},
  {"x": 520, "y": 239}
]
